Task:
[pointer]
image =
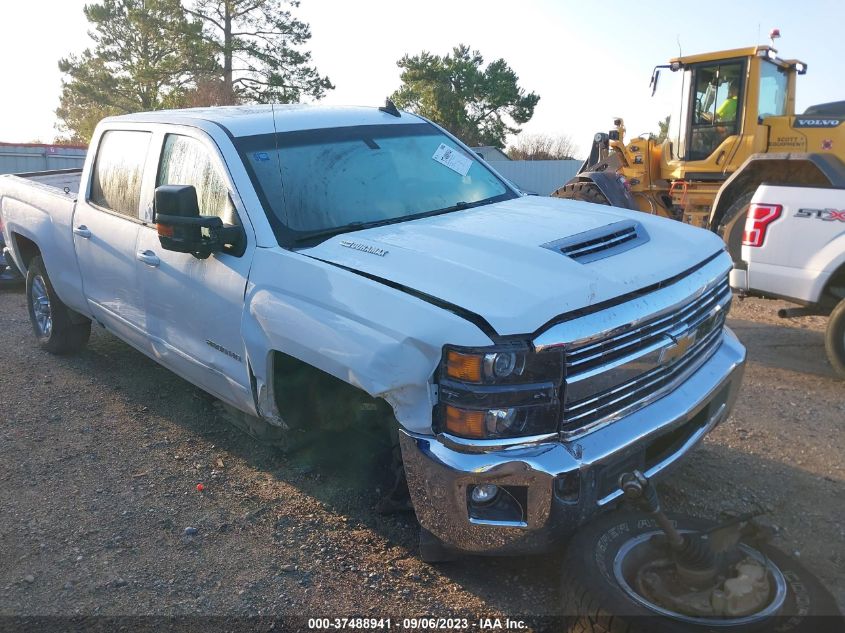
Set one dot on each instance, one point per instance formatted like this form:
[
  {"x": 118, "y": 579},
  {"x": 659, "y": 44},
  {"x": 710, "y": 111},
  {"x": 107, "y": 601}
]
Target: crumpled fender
[{"x": 374, "y": 337}]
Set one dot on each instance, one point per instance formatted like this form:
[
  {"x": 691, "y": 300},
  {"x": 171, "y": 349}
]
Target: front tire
[
  {"x": 59, "y": 330},
  {"x": 596, "y": 602},
  {"x": 834, "y": 340}
]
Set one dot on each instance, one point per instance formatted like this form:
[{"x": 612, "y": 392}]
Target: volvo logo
[{"x": 817, "y": 122}]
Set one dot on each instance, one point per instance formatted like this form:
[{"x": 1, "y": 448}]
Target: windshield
[{"x": 315, "y": 183}]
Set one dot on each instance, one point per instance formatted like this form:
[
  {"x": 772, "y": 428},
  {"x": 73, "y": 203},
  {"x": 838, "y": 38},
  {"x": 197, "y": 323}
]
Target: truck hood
[{"x": 491, "y": 260}]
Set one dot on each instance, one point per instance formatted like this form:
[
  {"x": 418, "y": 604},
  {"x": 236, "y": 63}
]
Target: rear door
[
  {"x": 106, "y": 223},
  {"x": 194, "y": 306}
]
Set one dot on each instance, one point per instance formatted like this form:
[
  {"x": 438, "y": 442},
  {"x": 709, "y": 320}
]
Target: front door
[
  {"x": 716, "y": 110},
  {"x": 105, "y": 231},
  {"x": 194, "y": 306}
]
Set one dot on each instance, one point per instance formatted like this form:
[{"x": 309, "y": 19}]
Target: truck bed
[
  {"x": 39, "y": 206},
  {"x": 65, "y": 180}
]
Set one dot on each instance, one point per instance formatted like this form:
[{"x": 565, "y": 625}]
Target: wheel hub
[{"x": 747, "y": 589}]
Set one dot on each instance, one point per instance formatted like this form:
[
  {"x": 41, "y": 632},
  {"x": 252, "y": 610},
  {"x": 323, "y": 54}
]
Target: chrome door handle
[
  {"x": 148, "y": 257},
  {"x": 82, "y": 231}
]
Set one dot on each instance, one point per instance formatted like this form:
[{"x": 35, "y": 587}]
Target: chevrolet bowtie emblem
[{"x": 679, "y": 347}]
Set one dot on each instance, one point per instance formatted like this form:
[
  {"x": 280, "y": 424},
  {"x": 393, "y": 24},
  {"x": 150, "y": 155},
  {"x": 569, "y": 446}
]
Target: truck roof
[{"x": 249, "y": 120}]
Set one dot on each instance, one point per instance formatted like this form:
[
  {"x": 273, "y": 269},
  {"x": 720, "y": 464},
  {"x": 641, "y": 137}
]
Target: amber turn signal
[
  {"x": 466, "y": 367},
  {"x": 464, "y": 422},
  {"x": 165, "y": 230}
]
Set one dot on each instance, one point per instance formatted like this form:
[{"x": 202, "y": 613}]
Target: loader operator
[{"x": 727, "y": 111}]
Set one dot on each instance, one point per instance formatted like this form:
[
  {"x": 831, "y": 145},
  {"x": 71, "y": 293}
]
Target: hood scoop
[{"x": 602, "y": 242}]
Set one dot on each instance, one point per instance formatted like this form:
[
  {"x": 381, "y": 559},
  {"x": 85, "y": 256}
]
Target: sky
[{"x": 590, "y": 62}]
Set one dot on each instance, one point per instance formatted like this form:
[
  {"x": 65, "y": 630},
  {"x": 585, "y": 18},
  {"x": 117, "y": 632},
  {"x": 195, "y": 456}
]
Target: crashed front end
[{"x": 531, "y": 436}]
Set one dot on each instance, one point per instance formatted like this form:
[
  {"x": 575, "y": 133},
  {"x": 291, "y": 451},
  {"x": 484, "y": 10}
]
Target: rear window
[{"x": 118, "y": 171}]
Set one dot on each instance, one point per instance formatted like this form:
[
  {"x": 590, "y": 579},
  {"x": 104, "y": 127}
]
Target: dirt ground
[{"x": 101, "y": 453}]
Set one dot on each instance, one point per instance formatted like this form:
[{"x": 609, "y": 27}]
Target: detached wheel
[
  {"x": 584, "y": 191},
  {"x": 52, "y": 321},
  {"x": 834, "y": 340},
  {"x": 606, "y": 586}
]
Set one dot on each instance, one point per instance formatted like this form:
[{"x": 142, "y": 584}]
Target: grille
[{"x": 589, "y": 358}]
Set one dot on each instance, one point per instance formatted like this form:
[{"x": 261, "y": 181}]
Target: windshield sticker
[
  {"x": 453, "y": 159},
  {"x": 261, "y": 156}
]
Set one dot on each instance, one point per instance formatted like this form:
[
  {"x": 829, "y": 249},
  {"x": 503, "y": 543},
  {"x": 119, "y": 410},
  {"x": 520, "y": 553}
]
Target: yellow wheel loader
[{"x": 734, "y": 129}]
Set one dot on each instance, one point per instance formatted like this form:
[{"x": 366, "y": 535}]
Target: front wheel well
[
  {"x": 308, "y": 398},
  {"x": 351, "y": 433}
]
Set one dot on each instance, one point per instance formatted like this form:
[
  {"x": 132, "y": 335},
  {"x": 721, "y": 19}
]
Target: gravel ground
[{"x": 101, "y": 453}]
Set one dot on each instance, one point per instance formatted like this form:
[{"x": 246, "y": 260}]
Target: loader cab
[
  {"x": 716, "y": 102},
  {"x": 725, "y": 98}
]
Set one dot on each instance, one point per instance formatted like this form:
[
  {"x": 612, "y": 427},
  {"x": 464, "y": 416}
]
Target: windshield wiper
[
  {"x": 358, "y": 226},
  {"x": 346, "y": 228},
  {"x": 458, "y": 206}
]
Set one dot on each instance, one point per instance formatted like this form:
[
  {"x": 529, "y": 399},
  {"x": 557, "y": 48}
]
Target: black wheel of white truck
[
  {"x": 52, "y": 321},
  {"x": 834, "y": 340},
  {"x": 616, "y": 578}
]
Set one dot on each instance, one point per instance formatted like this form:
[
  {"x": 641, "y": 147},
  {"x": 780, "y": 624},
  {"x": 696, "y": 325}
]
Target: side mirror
[{"x": 180, "y": 225}]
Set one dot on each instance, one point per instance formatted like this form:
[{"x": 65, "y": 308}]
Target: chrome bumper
[{"x": 651, "y": 439}]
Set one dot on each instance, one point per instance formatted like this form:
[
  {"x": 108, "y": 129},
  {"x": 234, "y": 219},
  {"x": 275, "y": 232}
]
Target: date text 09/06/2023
[{"x": 416, "y": 623}]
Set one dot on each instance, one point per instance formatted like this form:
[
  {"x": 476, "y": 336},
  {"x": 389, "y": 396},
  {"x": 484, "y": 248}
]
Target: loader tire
[
  {"x": 59, "y": 329},
  {"x": 732, "y": 225},
  {"x": 834, "y": 339},
  {"x": 584, "y": 191}
]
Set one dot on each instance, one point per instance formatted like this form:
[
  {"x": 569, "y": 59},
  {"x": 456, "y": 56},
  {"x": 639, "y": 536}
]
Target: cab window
[
  {"x": 118, "y": 171},
  {"x": 716, "y": 107},
  {"x": 772, "y": 91},
  {"x": 186, "y": 161}
]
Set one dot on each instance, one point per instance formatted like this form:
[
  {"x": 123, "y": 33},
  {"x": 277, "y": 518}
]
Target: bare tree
[{"x": 542, "y": 147}]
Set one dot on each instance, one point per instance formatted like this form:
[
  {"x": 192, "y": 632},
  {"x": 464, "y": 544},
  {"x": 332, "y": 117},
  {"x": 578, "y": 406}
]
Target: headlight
[
  {"x": 499, "y": 392},
  {"x": 506, "y": 365},
  {"x": 503, "y": 364}
]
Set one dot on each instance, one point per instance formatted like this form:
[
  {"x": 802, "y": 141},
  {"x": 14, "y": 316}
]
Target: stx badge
[{"x": 827, "y": 215}]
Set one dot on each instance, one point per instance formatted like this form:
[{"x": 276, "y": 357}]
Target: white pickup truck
[
  {"x": 530, "y": 350},
  {"x": 793, "y": 248}
]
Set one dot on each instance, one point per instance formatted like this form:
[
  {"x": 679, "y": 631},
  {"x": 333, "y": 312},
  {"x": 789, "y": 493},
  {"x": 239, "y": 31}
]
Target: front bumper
[{"x": 651, "y": 439}]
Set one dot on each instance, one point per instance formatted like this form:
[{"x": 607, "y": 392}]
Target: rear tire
[
  {"x": 52, "y": 321},
  {"x": 834, "y": 340},
  {"x": 584, "y": 191}
]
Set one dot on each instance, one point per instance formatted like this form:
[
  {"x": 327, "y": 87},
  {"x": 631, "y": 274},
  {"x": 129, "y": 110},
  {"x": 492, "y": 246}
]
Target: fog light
[{"x": 484, "y": 494}]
